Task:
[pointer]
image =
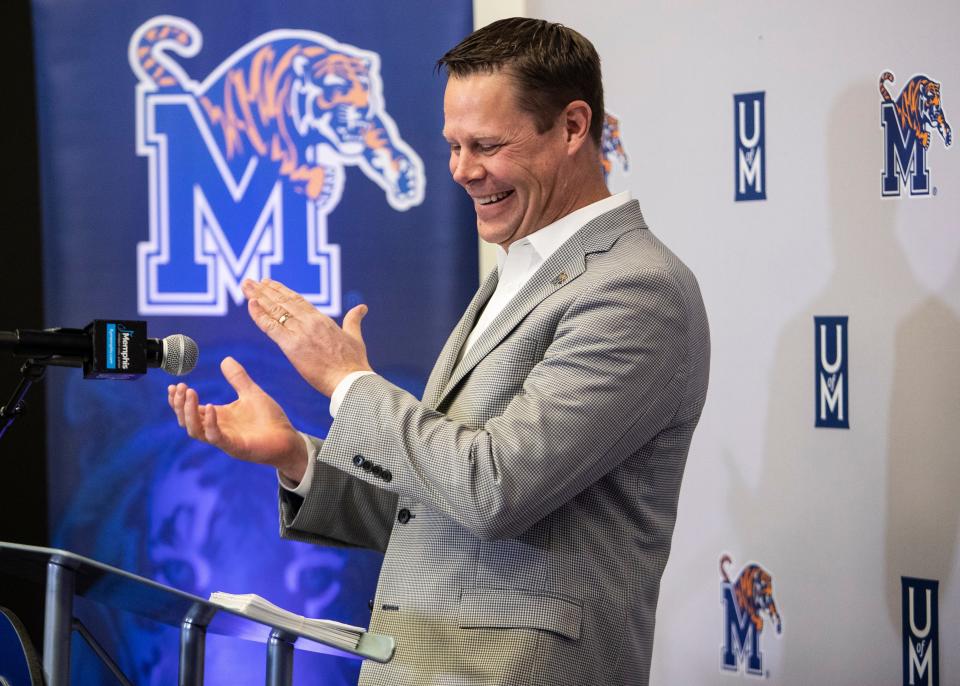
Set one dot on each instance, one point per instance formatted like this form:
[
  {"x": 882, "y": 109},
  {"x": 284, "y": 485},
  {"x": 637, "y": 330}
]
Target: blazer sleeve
[
  {"x": 612, "y": 378},
  {"x": 339, "y": 510}
]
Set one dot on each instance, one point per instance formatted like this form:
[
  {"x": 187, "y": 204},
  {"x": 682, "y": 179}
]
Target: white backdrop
[{"x": 835, "y": 516}]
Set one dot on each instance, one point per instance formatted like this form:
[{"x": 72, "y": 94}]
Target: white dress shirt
[{"x": 515, "y": 268}]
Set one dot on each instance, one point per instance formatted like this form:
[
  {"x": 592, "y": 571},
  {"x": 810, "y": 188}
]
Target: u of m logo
[
  {"x": 832, "y": 385},
  {"x": 921, "y": 632},
  {"x": 749, "y": 145},
  {"x": 246, "y": 166}
]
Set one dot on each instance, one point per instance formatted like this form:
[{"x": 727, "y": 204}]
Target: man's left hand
[{"x": 321, "y": 351}]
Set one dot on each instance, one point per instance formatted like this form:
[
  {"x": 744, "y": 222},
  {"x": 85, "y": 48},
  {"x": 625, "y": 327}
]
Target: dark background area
[{"x": 23, "y": 463}]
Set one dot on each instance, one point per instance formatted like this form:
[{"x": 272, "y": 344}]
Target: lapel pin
[{"x": 559, "y": 278}]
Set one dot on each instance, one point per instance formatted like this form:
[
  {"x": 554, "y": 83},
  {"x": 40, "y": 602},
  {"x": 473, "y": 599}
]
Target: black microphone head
[{"x": 180, "y": 354}]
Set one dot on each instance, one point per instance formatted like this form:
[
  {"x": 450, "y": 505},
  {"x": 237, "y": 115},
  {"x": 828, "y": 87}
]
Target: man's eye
[
  {"x": 490, "y": 147},
  {"x": 455, "y": 149}
]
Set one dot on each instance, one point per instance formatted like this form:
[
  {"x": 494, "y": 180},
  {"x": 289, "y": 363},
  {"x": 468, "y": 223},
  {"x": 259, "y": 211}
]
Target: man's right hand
[{"x": 253, "y": 427}]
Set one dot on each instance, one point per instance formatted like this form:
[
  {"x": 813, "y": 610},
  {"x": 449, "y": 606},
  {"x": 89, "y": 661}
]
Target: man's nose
[{"x": 466, "y": 168}]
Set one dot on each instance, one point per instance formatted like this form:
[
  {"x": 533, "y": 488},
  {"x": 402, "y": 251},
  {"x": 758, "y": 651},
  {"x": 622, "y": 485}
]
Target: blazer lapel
[
  {"x": 560, "y": 270},
  {"x": 451, "y": 349}
]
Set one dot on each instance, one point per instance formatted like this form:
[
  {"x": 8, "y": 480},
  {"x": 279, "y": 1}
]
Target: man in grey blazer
[{"x": 526, "y": 503}]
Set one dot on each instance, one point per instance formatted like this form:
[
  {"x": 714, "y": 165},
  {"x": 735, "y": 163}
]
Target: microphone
[
  {"x": 177, "y": 354},
  {"x": 106, "y": 349}
]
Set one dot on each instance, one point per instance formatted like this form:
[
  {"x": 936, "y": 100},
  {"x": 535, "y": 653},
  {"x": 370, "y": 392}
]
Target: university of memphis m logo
[
  {"x": 921, "y": 632},
  {"x": 743, "y": 600},
  {"x": 906, "y": 124},
  {"x": 749, "y": 145},
  {"x": 612, "y": 151},
  {"x": 246, "y": 166},
  {"x": 832, "y": 385}
]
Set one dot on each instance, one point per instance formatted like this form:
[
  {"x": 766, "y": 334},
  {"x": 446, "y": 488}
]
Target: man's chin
[{"x": 495, "y": 233}]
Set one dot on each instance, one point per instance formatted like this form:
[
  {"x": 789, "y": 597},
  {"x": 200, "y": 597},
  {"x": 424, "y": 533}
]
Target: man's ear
[{"x": 576, "y": 118}]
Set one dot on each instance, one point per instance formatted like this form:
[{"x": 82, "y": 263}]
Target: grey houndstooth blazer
[{"x": 526, "y": 504}]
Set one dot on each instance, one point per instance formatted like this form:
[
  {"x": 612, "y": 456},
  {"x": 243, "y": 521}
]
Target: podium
[{"x": 69, "y": 575}]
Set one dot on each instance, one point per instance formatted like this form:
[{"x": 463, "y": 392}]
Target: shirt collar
[{"x": 548, "y": 240}]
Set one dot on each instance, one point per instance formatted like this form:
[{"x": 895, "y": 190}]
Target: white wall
[{"x": 836, "y": 516}]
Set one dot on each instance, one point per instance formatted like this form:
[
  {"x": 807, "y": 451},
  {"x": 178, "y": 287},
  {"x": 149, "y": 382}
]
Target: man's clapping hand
[
  {"x": 253, "y": 427},
  {"x": 321, "y": 351}
]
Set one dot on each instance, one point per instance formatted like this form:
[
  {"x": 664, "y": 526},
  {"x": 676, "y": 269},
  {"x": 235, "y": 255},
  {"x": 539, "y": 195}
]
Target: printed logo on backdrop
[
  {"x": 745, "y": 601},
  {"x": 749, "y": 146},
  {"x": 246, "y": 166},
  {"x": 907, "y": 123},
  {"x": 832, "y": 385},
  {"x": 612, "y": 151},
  {"x": 921, "y": 632}
]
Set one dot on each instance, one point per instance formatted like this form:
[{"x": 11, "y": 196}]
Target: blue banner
[{"x": 184, "y": 147}]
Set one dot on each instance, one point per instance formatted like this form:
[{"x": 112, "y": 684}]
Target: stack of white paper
[{"x": 327, "y": 631}]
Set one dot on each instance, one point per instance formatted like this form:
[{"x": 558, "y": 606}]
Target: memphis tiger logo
[
  {"x": 612, "y": 151},
  {"x": 246, "y": 166},
  {"x": 745, "y": 600},
  {"x": 906, "y": 124}
]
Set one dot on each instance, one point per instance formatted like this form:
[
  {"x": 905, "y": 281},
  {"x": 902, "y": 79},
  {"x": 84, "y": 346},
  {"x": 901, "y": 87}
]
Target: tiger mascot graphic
[
  {"x": 753, "y": 593},
  {"x": 611, "y": 145},
  {"x": 918, "y": 107},
  {"x": 299, "y": 99}
]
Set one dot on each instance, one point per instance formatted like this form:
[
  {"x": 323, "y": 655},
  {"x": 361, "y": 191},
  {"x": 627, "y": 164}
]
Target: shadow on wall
[{"x": 923, "y": 473}]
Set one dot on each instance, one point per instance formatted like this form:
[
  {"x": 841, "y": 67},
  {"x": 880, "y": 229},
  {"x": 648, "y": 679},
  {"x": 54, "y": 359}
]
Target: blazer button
[
  {"x": 386, "y": 476},
  {"x": 404, "y": 516},
  {"x": 358, "y": 460},
  {"x": 367, "y": 465},
  {"x": 370, "y": 604},
  {"x": 377, "y": 470}
]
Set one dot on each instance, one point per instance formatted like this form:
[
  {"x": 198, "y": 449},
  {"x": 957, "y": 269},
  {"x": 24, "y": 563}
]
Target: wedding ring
[{"x": 283, "y": 317}]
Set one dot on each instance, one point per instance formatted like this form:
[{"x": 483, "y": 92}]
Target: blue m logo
[
  {"x": 903, "y": 157},
  {"x": 741, "y": 640},
  {"x": 245, "y": 167},
  {"x": 907, "y": 123},
  {"x": 744, "y": 601}
]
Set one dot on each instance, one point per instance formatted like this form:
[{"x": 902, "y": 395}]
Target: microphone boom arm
[{"x": 30, "y": 372}]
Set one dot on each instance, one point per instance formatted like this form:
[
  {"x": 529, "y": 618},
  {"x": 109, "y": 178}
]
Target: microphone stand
[{"x": 30, "y": 373}]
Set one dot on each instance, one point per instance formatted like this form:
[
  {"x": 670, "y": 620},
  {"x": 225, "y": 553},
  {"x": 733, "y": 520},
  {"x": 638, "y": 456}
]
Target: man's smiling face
[{"x": 512, "y": 172}]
